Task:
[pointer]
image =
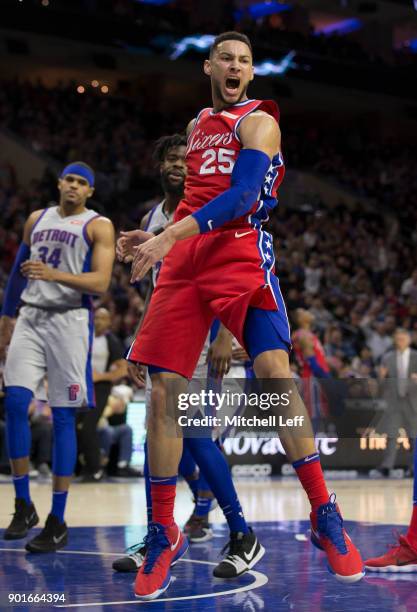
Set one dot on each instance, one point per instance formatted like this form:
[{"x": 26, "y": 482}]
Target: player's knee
[
  {"x": 16, "y": 402},
  {"x": 63, "y": 419},
  {"x": 16, "y": 405},
  {"x": 158, "y": 398},
  {"x": 272, "y": 365}
]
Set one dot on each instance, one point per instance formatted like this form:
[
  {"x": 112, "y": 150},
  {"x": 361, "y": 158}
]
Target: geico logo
[
  {"x": 255, "y": 469},
  {"x": 242, "y": 445}
]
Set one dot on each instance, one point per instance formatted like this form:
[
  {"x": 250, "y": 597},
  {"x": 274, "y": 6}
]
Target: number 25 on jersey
[{"x": 218, "y": 160}]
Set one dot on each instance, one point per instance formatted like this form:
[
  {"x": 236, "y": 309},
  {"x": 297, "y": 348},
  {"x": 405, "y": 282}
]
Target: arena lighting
[
  {"x": 270, "y": 67},
  {"x": 346, "y": 26},
  {"x": 203, "y": 43},
  {"x": 198, "y": 42},
  {"x": 262, "y": 9}
]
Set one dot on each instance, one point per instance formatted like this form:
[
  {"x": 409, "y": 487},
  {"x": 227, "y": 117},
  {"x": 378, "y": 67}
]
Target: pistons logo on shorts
[{"x": 73, "y": 391}]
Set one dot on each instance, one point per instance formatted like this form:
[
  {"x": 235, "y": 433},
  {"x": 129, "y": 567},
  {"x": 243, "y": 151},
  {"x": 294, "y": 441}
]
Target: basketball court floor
[{"x": 106, "y": 518}]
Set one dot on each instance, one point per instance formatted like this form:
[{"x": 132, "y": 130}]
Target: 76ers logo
[{"x": 73, "y": 391}]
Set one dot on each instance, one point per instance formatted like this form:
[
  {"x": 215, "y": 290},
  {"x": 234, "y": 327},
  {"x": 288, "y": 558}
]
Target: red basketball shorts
[{"x": 218, "y": 275}]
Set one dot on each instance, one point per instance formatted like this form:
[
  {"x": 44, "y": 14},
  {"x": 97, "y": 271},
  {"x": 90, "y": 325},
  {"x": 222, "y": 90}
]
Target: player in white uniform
[{"x": 66, "y": 256}]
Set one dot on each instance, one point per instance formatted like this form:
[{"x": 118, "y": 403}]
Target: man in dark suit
[
  {"x": 398, "y": 372},
  {"x": 109, "y": 367}
]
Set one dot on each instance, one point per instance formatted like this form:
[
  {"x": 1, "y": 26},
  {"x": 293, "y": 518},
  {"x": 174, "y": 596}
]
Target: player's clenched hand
[
  {"x": 149, "y": 253},
  {"x": 136, "y": 373},
  {"x": 125, "y": 245},
  {"x": 37, "y": 270}
]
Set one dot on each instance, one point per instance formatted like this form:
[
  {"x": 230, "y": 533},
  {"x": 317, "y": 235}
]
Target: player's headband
[{"x": 80, "y": 170}]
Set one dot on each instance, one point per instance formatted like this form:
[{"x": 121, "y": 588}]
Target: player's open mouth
[{"x": 232, "y": 85}]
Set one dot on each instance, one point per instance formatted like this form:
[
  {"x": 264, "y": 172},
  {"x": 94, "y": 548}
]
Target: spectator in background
[
  {"x": 109, "y": 367},
  {"x": 377, "y": 338},
  {"x": 114, "y": 431},
  {"x": 313, "y": 273},
  {"x": 409, "y": 287},
  {"x": 398, "y": 372}
]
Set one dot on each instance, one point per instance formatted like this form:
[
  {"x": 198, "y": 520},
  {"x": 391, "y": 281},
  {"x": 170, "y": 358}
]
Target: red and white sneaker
[
  {"x": 401, "y": 557},
  {"x": 327, "y": 533},
  {"x": 164, "y": 546}
]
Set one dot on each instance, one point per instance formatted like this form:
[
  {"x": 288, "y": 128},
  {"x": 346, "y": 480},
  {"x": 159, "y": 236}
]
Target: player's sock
[
  {"x": 214, "y": 468},
  {"x": 64, "y": 453},
  {"x": 187, "y": 468},
  {"x": 16, "y": 405},
  {"x": 412, "y": 529},
  {"x": 147, "y": 485},
  {"x": 21, "y": 487},
  {"x": 59, "y": 500},
  {"x": 163, "y": 499},
  {"x": 203, "y": 506},
  {"x": 311, "y": 477}
]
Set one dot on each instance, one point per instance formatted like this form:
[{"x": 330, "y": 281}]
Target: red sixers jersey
[
  {"x": 319, "y": 354},
  {"x": 212, "y": 149}
]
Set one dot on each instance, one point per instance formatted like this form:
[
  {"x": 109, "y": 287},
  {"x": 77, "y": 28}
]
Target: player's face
[
  {"x": 74, "y": 190},
  {"x": 231, "y": 70},
  {"x": 174, "y": 171}
]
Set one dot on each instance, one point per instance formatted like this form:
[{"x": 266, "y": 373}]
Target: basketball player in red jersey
[
  {"x": 219, "y": 263},
  {"x": 313, "y": 365}
]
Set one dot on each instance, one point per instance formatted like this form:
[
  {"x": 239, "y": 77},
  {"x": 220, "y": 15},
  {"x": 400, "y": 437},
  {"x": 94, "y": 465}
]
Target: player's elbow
[
  {"x": 102, "y": 286},
  {"x": 248, "y": 197}
]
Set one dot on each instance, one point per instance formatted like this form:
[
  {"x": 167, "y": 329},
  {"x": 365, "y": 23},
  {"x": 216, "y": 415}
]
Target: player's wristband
[
  {"x": 16, "y": 283},
  {"x": 316, "y": 368},
  {"x": 246, "y": 182}
]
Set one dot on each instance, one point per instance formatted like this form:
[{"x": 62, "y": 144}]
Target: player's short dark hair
[
  {"x": 232, "y": 35},
  {"x": 165, "y": 143}
]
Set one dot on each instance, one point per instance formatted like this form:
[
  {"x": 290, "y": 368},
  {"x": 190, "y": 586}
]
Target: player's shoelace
[
  {"x": 330, "y": 524},
  {"x": 233, "y": 546},
  {"x": 136, "y": 548},
  {"x": 157, "y": 542}
]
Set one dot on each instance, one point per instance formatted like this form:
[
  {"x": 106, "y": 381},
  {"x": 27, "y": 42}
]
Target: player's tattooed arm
[{"x": 101, "y": 234}]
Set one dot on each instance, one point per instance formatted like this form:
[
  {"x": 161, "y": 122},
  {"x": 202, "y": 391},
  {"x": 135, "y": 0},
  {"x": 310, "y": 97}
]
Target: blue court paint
[{"x": 296, "y": 572}]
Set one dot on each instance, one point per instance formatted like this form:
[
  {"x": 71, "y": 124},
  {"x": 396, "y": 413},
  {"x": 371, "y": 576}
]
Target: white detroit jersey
[
  {"x": 63, "y": 243},
  {"x": 158, "y": 218}
]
